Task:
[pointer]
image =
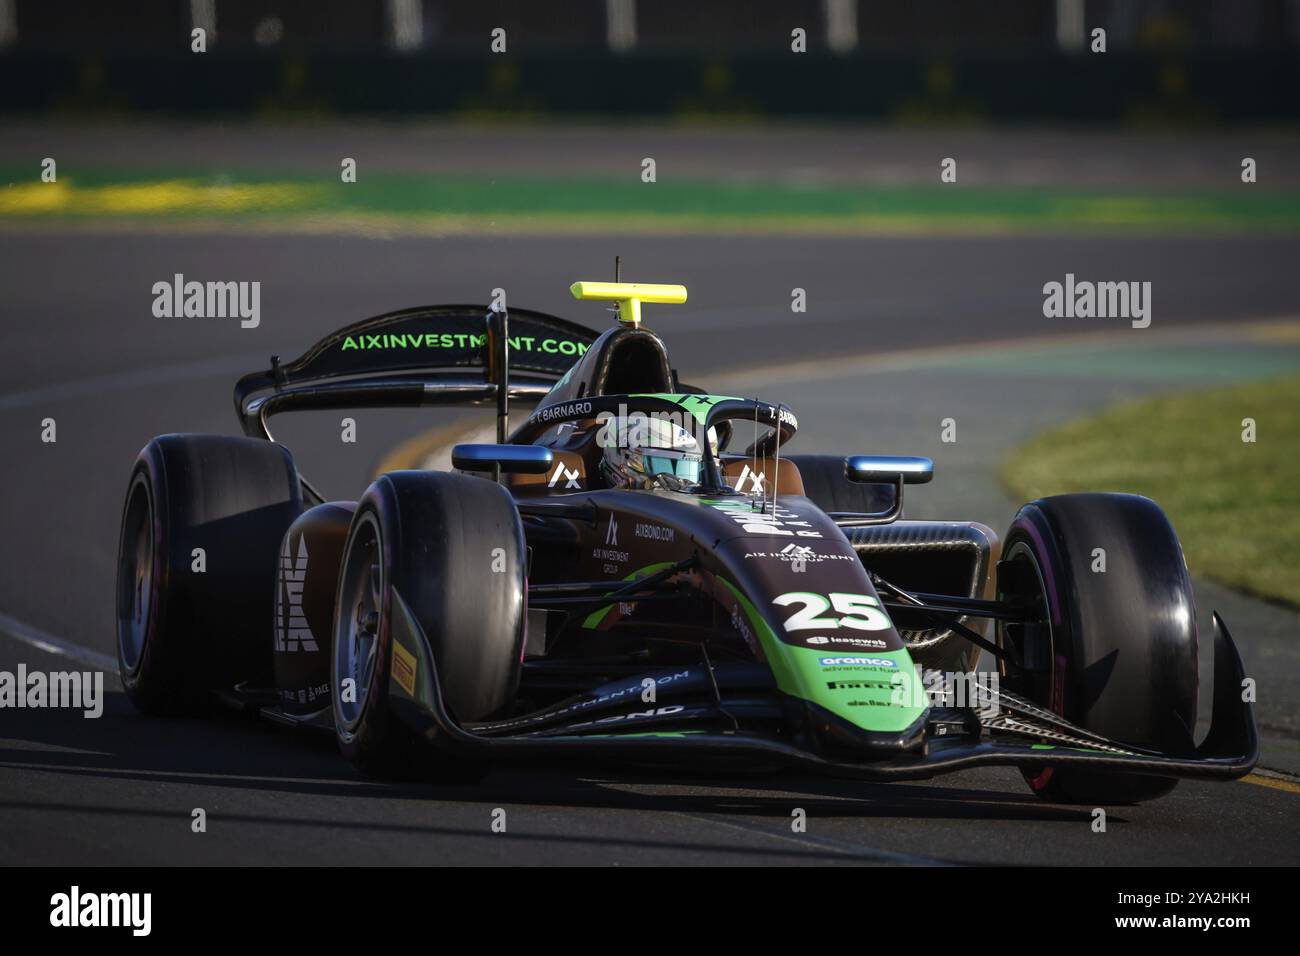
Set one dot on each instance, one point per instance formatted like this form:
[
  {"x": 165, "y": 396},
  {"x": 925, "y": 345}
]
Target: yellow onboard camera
[{"x": 629, "y": 296}]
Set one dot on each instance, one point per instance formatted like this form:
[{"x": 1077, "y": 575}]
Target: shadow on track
[{"x": 247, "y": 754}]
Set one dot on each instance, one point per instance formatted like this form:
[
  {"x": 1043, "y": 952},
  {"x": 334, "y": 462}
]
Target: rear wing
[{"x": 434, "y": 355}]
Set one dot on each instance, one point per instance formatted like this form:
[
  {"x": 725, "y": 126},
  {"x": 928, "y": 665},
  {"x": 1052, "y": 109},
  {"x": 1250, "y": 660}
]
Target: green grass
[
  {"x": 1235, "y": 505},
  {"x": 557, "y": 201}
]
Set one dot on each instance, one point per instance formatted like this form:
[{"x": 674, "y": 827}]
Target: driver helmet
[{"x": 643, "y": 452}]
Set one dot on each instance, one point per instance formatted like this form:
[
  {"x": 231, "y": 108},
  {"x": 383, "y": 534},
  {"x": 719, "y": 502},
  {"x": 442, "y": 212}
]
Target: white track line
[
  {"x": 936, "y": 355},
  {"x": 35, "y": 637}
]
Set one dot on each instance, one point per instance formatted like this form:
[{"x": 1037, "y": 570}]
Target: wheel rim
[
  {"x": 356, "y": 621},
  {"x": 1053, "y": 691},
  {"x": 135, "y": 577},
  {"x": 1020, "y": 551}
]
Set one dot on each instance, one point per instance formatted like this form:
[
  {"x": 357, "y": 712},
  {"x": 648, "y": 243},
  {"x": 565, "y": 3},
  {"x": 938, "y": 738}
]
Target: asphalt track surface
[
  {"x": 78, "y": 344},
  {"x": 1153, "y": 160}
]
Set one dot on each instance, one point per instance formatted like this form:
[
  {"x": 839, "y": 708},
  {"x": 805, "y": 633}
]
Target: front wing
[{"x": 1020, "y": 734}]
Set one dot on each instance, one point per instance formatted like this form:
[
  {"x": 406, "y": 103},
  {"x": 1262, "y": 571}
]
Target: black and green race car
[{"x": 776, "y": 611}]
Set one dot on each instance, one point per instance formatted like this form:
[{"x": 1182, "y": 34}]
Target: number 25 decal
[{"x": 860, "y": 611}]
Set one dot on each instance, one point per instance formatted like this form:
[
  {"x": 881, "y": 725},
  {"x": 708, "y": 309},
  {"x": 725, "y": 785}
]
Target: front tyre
[
  {"x": 452, "y": 546},
  {"x": 1116, "y": 642}
]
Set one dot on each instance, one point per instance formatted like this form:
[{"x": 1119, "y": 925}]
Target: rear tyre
[
  {"x": 189, "y": 623},
  {"x": 453, "y": 547},
  {"x": 825, "y": 484},
  {"x": 1118, "y": 647}
]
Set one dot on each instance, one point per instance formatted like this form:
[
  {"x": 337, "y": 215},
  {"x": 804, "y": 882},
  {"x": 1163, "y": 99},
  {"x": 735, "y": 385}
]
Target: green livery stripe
[
  {"x": 886, "y": 698},
  {"x": 593, "y": 619},
  {"x": 697, "y": 405},
  {"x": 786, "y": 679}
]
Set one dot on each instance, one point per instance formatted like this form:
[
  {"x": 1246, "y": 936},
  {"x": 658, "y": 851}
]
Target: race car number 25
[{"x": 859, "y": 611}]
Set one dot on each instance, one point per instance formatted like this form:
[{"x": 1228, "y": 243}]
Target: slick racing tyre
[
  {"x": 826, "y": 485},
  {"x": 452, "y": 547},
  {"x": 1115, "y": 643},
  {"x": 197, "y": 555}
]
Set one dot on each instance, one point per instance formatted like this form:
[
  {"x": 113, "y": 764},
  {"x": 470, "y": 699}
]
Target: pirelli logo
[
  {"x": 404, "y": 667},
  {"x": 859, "y": 685}
]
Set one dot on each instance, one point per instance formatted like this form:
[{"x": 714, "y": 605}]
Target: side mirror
[
  {"x": 511, "y": 459},
  {"x": 871, "y": 469}
]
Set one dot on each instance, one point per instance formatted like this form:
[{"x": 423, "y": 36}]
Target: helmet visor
[{"x": 684, "y": 468}]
